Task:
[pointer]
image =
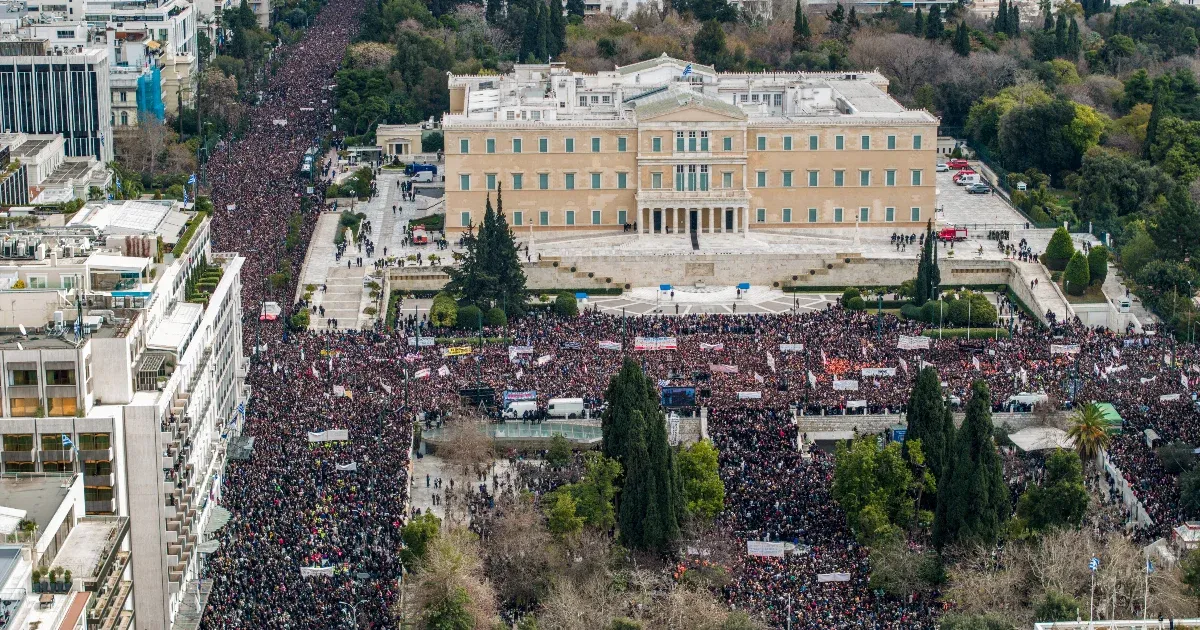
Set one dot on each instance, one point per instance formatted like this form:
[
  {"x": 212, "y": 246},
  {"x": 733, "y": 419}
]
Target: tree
[
  {"x": 703, "y": 489},
  {"x": 490, "y": 273},
  {"x": 1074, "y": 43},
  {"x": 494, "y": 11},
  {"x": 1176, "y": 457},
  {"x": 1156, "y": 114},
  {"x": 930, "y": 421},
  {"x": 972, "y": 502},
  {"x": 562, "y": 518},
  {"x": 1138, "y": 251},
  {"x": 1089, "y": 430},
  {"x": 709, "y": 44},
  {"x": 575, "y": 9},
  {"x": 929, "y": 277},
  {"x": 1060, "y": 500},
  {"x": 1097, "y": 260},
  {"x": 1060, "y": 34},
  {"x": 934, "y": 27},
  {"x": 565, "y": 305},
  {"x": 559, "y": 454},
  {"x": 444, "y": 312},
  {"x": 1000, "y": 22},
  {"x": 417, "y": 535},
  {"x": 1056, "y": 606},
  {"x": 872, "y": 487},
  {"x": 919, "y": 22},
  {"x": 648, "y": 519},
  {"x": 801, "y": 31},
  {"x": 962, "y": 621},
  {"x": 1060, "y": 250},
  {"x": 1189, "y": 492},
  {"x": 1076, "y": 278},
  {"x": 962, "y": 40},
  {"x": 1176, "y": 229},
  {"x": 628, "y": 391},
  {"x": 1191, "y": 571},
  {"x": 521, "y": 555},
  {"x": 451, "y": 590},
  {"x": 450, "y": 612},
  {"x": 595, "y": 492},
  {"x": 558, "y": 28}
]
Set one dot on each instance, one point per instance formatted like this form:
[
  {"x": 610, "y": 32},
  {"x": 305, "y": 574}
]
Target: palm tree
[{"x": 1089, "y": 430}]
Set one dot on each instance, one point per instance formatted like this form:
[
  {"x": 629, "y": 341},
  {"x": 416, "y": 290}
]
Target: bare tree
[
  {"x": 466, "y": 444},
  {"x": 520, "y": 554},
  {"x": 453, "y": 563}
]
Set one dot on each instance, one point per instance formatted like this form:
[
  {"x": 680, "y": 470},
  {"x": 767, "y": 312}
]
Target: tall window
[
  {"x": 890, "y": 177},
  {"x": 544, "y": 217},
  {"x": 656, "y": 180},
  {"x": 570, "y": 145},
  {"x": 679, "y": 141},
  {"x": 813, "y": 143},
  {"x": 595, "y": 181},
  {"x": 839, "y": 178},
  {"x": 812, "y": 215},
  {"x": 837, "y": 215},
  {"x": 464, "y": 146},
  {"x": 543, "y": 145},
  {"x": 679, "y": 177},
  {"x": 787, "y": 179},
  {"x": 622, "y": 144},
  {"x": 761, "y": 215},
  {"x": 727, "y": 143},
  {"x": 787, "y": 215},
  {"x": 622, "y": 216},
  {"x": 622, "y": 180},
  {"x": 517, "y": 216},
  {"x": 569, "y": 181},
  {"x": 891, "y": 143},
  {"x": 544, "y": 181},
  {"x": 691, "y": 177},
  {"x": 516, "y": 145},
  {"x": 762, "y": 143},
  {"x": 704, "y": 141},
  {"x": 464, "y": 182},
  {"x": 464, "y": 219},
  {"x": 889, "y": 214},
  {"x": 656, "y": 144},
  {"x": 916, "y": 177},
  {"x": 916, "y": 215},
  {"x": 864, "y": 178},
  {"x": 692, "y": 137},
  {"x": 787, "y": 143},
  {"x": 866, "y": 143},
  {"x": 595, "y": 217},
  {"x": 917, "y": 142},
  {"x": 813, "y": 179},
  {"x": 595, "y": 145},
  {"x": 703, "y": 177},
  {"x": 570, "y": 217},
  {"x": 491, "y": 181},
  {"x": 839, "y": 142},
  {"x": 518, "y": 180},
  {"x": 760, "y": 179},
  {"x": 491, "y": 145},
  {"x": 864, "y": 214},
  {"x": 727, "y": 179}
]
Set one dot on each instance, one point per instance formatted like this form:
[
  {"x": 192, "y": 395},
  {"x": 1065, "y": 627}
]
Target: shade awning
[{"x": 218, "y": 519}]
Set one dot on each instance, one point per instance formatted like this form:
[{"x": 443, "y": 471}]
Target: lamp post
[{"x": 353, "y": 606}]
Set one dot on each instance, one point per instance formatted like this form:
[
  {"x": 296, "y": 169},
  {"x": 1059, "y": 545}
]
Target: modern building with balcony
[
  {"x": 167, "y": 28},
  {"x": 122, "y": 363},
  {"x": 676, "y": 147}
]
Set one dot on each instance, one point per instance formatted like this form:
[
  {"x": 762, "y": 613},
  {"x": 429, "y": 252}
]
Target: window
[
  {"x": 516, "y": 145},
  {"x": 570, "y": 145},
  {"x": 727, "y": 179},
  {"x": 622, "y": 180},
  {"x": 544, "y": 181},
  {"x": 544, "y": 217},
  {"x": 891, "y": 143},
  {"x": 595, "y": 181},
  {"x": 62, "y": 407},
  {"x": 464, "y": 146},
  {"x": 570, "y": 217},
  {"x": 812, "y": 215},
  {"x": 465, "y": 219},
  {"x": 839, "y": 142},
  {"x": 37, "y": 282},
  {"x": 916, "y": 215},
  {"x": 517, "y": 216},
  {"x": 916, "y": 177},
  {"x": 692, "y": 141},
  {"x": 656, "y": 180},
  {"x": 543, "y": 145},
  {"x": 812, "y": 143},
  {"x": 787, "y": 179},
  {"x": 864, "y": 178},
  {"x": 510, "y": 115},
  {"x": 491, "y": 145},
  {"x": 518, "y": 181},
  {"x": 762, "y": 215},
  {"x": 890, "y": 177},
  {"x": 917, "y": 142},
  {"x": 813, "y": 179},
  {"x": 20, "y": 378},
  {"x": 622, "y": 217},
  {"x": 727, "y": 143},
  {"x": 464, "y": 182},
  {"x": 889, "y": 214},
  {"x": 787, "y": 143},
  {"x": 124, "y": 118},
  {"x": 94, "y": 441},
  {"x": 679, "y": 141},
  {"x": 491, "y": 181},
  {"x": 761, "y": 179},
  {"x": 839, "y": 178},
  {"x": 52, "y": 441},
  {"x": 622, "y": 144},
  {"x": 703, "y": 177},
  {"x": 69, "y": 282},
  {"x": 19, "y": 442},
  {"x": 595, "y": 145},
  {"x": 679, "y": 177},
  {"x": 595, "y": 217},
  {"x": 60, "y": 377},
  {"x": 864, "y": 214},
  {"x": 583, "y": 101},
  {"x": 569, "y": 181},
  {"x": 656, "y": 144},
  {"x": 787, "y": 215},
  {"x": 704, "y": 141},
  {"x": 866, "y": 143},
  {"x": 762, "y": 143},
  {"x": 837, "y": 215}
]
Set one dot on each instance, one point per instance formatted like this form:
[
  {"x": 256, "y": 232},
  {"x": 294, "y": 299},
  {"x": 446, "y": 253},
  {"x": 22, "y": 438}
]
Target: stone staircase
[
  {"x": 573, "y": 276},
  {"x": 343, "y": 300},
  {"x": 813, "y": 275}
]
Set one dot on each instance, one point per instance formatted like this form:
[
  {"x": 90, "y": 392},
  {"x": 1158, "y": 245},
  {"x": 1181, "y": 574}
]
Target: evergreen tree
[
  {"x": 1156, "y": 113},
  {"x": 919, "y": 22},
  {"x": 934, "y": 26},
  {"x": 494, "y": 12},
  {"x": 972, "y": 501},
  {"x": 709, "y": 44},
  {"x": 530, "y": 34},
  {"x": 999, "y": 22},
  {"x": 505, "y": 263},
  {"x": 1074, "y": 45},
  {"x": 628, "y": 391},
  {"x": 1060, "y": 34},
  {"x": 930, "y": 421},
  {"x": 1047, "y": 16},
  {"x": 962, "y": 40},
  {"x": 575, "y": 8},
  {"x": 929, "y": 277},
  {"x": 490, "y": 273},
  {"x": 544, "y": 36},
  {"x": 558, "y": 28},
  {"x": 801, "y": 31},
  {"x": 1014, "y": 20},
  {"x": 852, "y": 18}
]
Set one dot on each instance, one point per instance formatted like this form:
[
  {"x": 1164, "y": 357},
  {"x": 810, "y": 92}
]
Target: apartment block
[
  {"x": 677, "y": 147},
  {"x": 122, "y": 332}
]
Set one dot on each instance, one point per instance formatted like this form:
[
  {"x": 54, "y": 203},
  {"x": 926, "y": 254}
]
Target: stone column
[
  {"x": 721, "y": 220},
  {"x": 712, "y": 227},
  {"x": 679, "y": 212},
  {"x": 746, "y": 225}
]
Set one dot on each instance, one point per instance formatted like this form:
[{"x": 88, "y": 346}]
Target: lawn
[{"x": 1093, "y": 295}]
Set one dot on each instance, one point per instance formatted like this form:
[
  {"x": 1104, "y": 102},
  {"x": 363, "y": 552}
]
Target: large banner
[
  {"x": 456, "y": 351},
  {"x": 514, "y": 350},
  {"x": 749, "y": 395},
  {"x": 764, "y": 549},
  {"x": 1064, "y": 348},
  {"x": 655, "y": 343},
  {"x": 715, "y": 347},
  {"x": 913, "y": 343},
  {"x": 880, "y": 371},
  {"x": 315, "y": 571},
  {"x": 351, "y": 467},
  {"x": 847, "y": 385},
  {"x": 510, "y": 396},
  {"x": 610, "y": 345},
  {"x": 421, "y": 341},
  {"x": 791, "y": 347},
  {"x": 832, "y": 577},
  {"x": 722, "y": 369},
  {"x": 332, "y": 435}
]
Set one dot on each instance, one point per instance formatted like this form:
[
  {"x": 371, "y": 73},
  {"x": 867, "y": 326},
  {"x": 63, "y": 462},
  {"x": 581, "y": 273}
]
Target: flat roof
[
  {"x": 31, "y": 146},
  {"x": 10, "y": 557},
  {"x": 131, "y": 217},
  {"x": 119, "y": 263},
  {"x": 175, "y": 329},
  {"x": 88, "y": 544},
  {"x": 40, "y": 496}
]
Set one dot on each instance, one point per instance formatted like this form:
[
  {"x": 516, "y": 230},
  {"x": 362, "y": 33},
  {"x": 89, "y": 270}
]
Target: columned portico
[{"x": 678, "y": 220}]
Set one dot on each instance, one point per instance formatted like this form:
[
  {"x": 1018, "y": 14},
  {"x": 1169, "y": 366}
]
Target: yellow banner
[{"x": 457, "y": 351}]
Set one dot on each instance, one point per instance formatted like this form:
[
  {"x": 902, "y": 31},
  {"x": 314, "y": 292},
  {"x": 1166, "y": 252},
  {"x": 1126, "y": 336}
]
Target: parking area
[{"x": 961, "y": 208}]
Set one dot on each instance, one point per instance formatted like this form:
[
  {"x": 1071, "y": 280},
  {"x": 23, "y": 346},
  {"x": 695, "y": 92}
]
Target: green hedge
[
  {"x": 976, "y": 333},
  {"x": 433, "y": 222},
  {"x": 188, "y": 233}
]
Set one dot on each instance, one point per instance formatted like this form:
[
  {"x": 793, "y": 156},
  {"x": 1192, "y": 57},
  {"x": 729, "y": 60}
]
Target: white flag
[
  {"x": 812, "y": 380},
  {"x": 975, "y": 362},
  {"x": 771, "y": 362},
  {"x": 351, "y": 467},
  {"x": 823, "y": 356},
  {"x": 1183, "y": 379},
  {"x": 520, "y": 373},
  {"x": 758, "y": 378},
  {"x": 904, "y": 365},
  {"x": 444, "y": 371}
]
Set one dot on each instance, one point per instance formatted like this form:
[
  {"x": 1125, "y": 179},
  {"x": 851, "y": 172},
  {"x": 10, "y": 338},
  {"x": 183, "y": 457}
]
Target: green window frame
[
  {"x": 864, "y": 215},
  {"x": 916, "y": 177},
  {"x": 543, "y": 145},
  {"x": 679, "y": 141},
  {"x": 569, "y": 181},
  {"x": 517, "y": 216},
  {"x": 569, "y": 145},
  {"x": 656, "y": 180},
  {"x": 622, "y": 180},
  {"x": 839, "y": 178},
  {"x": 865, "y": 143},
  {"x": 491, "y": 181},
  {"x": 518, "y": 181},
  {"x": 864, "y": 178},
  {"x": 787, "y": 143},
  {"x": 837, "y": 215},
  {"x": 544, "y": 181},
  {"x": 570, "y": 217},
  {"x": 491, "y": 145},
  {"x": 595, "y": 181},
  {"x": 889, "y": 214},
  {"x": 890, "y": 177},
  {"x": 727, "y": 180},
  {"x": 595, "y": 217},
  {"x": 464, "y": 182},
  {"x": 814, "y": 142},
  {"x": 787, "y": 215},
  {"x": 622, "y": 144},
  {"x": 787, "y": 179},
  {"x": 595, "y": 145},
  {"x": 760, "y": 179},
  {"x": 762, "y": 143},
  {"x": 891, "y": 143},
  {"x": 916, "y": 215},
  {"x": 917, "y": 142},
  {"x": 761, "y": 215},
  {"x": 464, "y": 218},
  {"x": 464, "y": 145},
  {"x": 727, "y": 143},
  {"x": 656, "y": 144},
  {"x": 544, "y": 217},
  {"x": 839, "y": 142},
  {"x": 516, "y": 145},
  {"x": 812, "y": 215},
  {"x": 622, "y": 217},
  {"x": 814, "y": 179}
]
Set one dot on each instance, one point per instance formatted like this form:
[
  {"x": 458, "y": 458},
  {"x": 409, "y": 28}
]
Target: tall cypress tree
[
  {"x": 929, "y": 277},
  {"x": 1060, "y": 35},
  {"x": 1014, "y": 19},
  {"x": 972, "y": 502},
  {"x": 494, "y": 12},
  {"x": 1074, "y": 45},
  {"x": 934, "y": 26},
  {"x": 999, "y": 23},
  {"x": 1156, "y": 112},
  {"x": 508, "y": 291},
  {"x": 544, "y": 37},
  {"x": 529, "y": 37},
  {"x": 919, "y": 23},
  {"x": 962, "y": 40},
  {"x": 558, "y": 28},
  {"x": 575, "y": 8},
  {"x": 930, "y": 421},
  {"x": 801, "y": 31}
]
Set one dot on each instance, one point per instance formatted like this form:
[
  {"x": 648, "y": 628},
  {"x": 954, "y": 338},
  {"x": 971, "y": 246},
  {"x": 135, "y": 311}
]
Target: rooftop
[
  {"x": 10, "y": 339},
  {"x": 133, "y": 217},
  {"x": 88, "y": 546},
  {"x": 39, "y": 496}
]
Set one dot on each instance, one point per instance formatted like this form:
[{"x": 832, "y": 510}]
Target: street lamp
[{"x": 353, "y": 606}]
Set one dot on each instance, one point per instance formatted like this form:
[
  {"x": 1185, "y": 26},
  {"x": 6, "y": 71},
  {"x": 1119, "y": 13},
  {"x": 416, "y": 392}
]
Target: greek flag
[
  {"x": 185, "y": 196},
  {"x": 192, "y": 180},
  {"x": 1149, "y": 566},
  {"x": 1094, "y": 564},
  {"x": 687, "y": 70},
  {"x": 66, "y": 442}
]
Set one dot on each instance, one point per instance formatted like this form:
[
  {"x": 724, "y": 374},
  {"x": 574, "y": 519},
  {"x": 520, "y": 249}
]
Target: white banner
[
  {"x": 847, "y": 385},
  {"x": 520, "y": 349},
  {"x": 749, "y": 395},
  {"x": 1064, "y": 348},
  {"x": 913, "y": 343},
  {"x": 610, "y": 345},
  {"x": 315, "y": 571},
  {"x": 879, "y": 371},
  {"x": 655, "y": 343},
  {"x": 1168, "y": 397},
  {"x": 421, "y": 373},
  {"x": 791, "y": 347},
  {"x": 715, "y": 347},
  {"x": 543, "y": 360},
  {"x": 771, "y": 362},
  {"x": 832, "y": 577},
  {"x": 339, "y": 390},
  {"x": 332, "y": 435},
  {"x": 855, "y": 404},
  {"x": 421, "y": 342},
  {"x": 1145, "y": 380},
  {"x": 722, "y": 369},
  {"x": 351, "y": 467},
  {"x": 444, "y": 371},
  {"x": 764, "y": 549}
]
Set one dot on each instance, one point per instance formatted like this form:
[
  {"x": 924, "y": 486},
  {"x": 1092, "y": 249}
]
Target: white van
[
  {"x": 1026, "y": 398},
  {"x": 565, "y": 408},
  {"x": 517, "y": 408},
  {"x": 967, "y": 180},
  {"x": 423, "y": 176}
]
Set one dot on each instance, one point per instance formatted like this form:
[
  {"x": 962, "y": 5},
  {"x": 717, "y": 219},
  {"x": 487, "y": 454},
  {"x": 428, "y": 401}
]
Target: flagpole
[{"x": 1146, "y": 592}]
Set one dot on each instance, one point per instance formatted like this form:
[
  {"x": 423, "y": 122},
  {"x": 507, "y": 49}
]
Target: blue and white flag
[
  {"x": 66, "y": 441},
  {"x": 185, "y": 196},
  {"x": 687, "y": 70},
  {"x": 192, "y": 180},
  {"x": 1149, "y": 565},
  {"x": 1094, "y": 564}
]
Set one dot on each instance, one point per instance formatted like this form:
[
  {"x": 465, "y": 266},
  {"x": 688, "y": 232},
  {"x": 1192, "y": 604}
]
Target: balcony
[
  {"x": 100, "y": 481},
  {"x": 24, "y": 391},
  {"x": 58, "y": 455},
  {"x": 17, "y": 456},
  {"x": 718, "y": 198},
  {"x": 96, "y": 454},
  {"x": 106, "y": 506}
]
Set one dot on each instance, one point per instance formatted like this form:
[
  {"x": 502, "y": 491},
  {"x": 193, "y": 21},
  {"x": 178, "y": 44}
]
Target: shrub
[
  {"x": 907, "y": 289},
  {"x": 299, "y": 320},
  {"x": 1176, "y": 457},
  {"x": 856, "y": 303},
  {"x": 1060, "y": 250},
  {"x": 566, "y": 305},
  {"x": 1076, "y": 277},
  {"x": 848, "y": 294},
  {"x": 444, "y": 311},
  {"x": 929, "y": 312},
  {"x": 975, "y": 305},
  {"x": 469, "y": 316},
  {"x": 1056, "y": 606},
  {"x": 495, "y": 317},
  {"x": 1097, "y": 260},
  {"x": 911, "y": 311}
]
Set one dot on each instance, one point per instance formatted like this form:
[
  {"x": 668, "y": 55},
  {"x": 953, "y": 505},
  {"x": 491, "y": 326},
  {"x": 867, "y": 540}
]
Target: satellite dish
[{"x": 21, "y": 327}]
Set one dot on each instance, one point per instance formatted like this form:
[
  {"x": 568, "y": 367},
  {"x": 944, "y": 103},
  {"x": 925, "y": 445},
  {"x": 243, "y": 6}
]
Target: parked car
[
  {"x": 979, "y": 189},
  {"x": 958, "y": 163},
  {"x": 942, "y": 167}
]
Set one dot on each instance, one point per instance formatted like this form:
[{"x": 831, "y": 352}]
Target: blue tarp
[
  {"x": 745, "y": 286},
  {"x": 664, "y": 287},
  {"x": 149, "y": 95},
  {"x": 580, "y": 296}
]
